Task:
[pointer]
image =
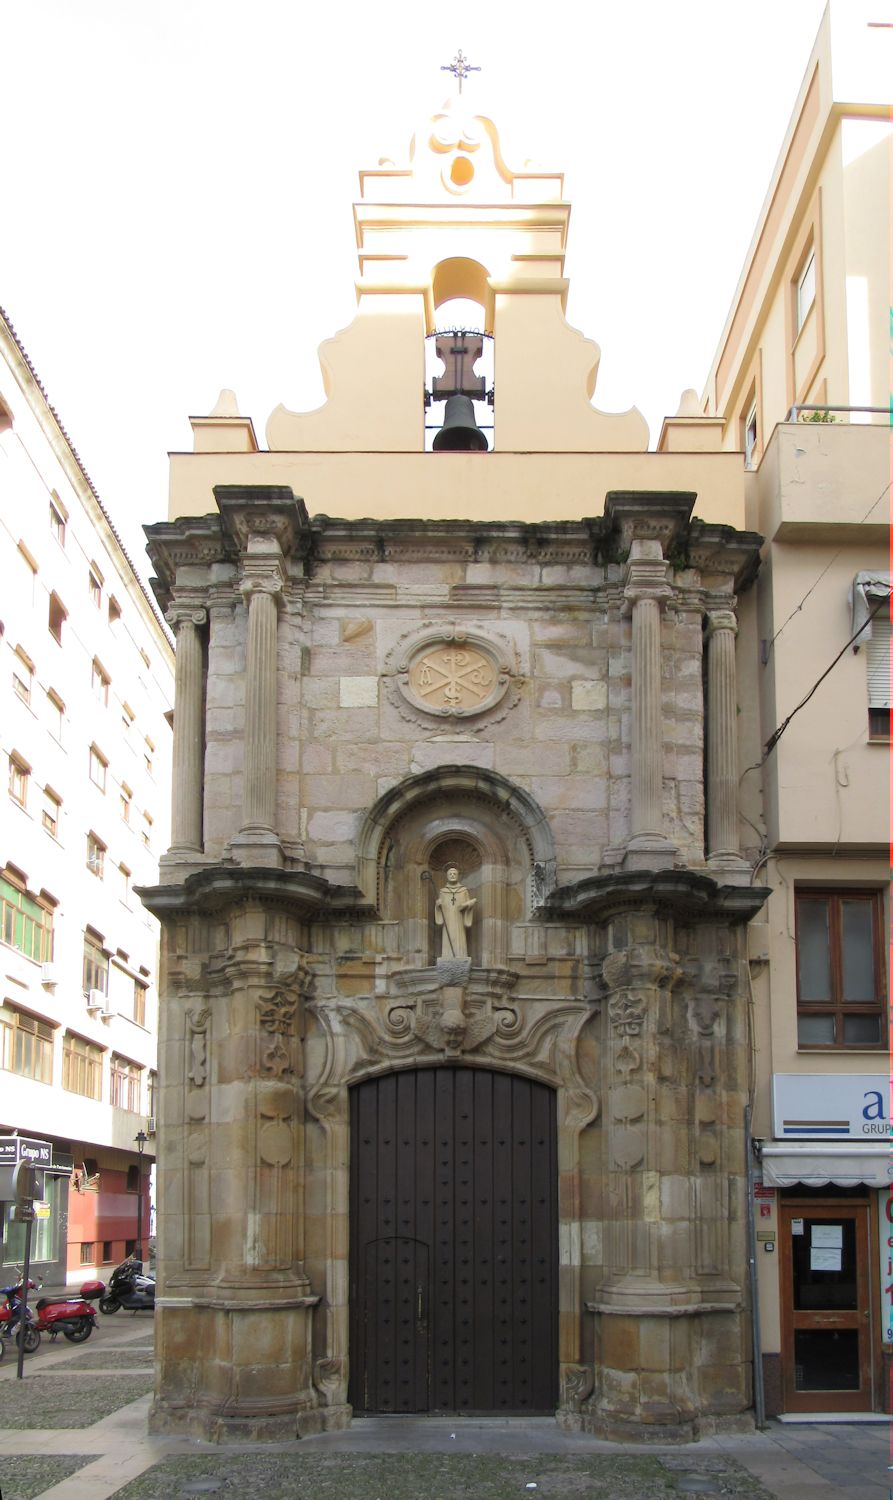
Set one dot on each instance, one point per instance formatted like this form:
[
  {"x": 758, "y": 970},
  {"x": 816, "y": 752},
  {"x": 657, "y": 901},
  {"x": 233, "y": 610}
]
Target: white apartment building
[{"x": 86, "y": 689}]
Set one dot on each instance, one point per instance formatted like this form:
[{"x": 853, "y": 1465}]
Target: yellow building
[{"x": 801, "y": 383}]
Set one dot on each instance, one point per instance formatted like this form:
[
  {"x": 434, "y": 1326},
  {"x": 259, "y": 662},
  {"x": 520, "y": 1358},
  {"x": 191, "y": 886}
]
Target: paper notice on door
[
  {"x": 824, "y": 1260},
  {"x": 796, "y": 1226},
  {"x": 827, "y": 1236}
]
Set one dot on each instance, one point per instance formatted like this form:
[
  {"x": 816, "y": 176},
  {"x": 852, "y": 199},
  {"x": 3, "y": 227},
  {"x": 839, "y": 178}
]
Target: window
[
  {"x": 52, "y": 807},
  {"x": 87, "y": 1249},
  {"x": 125, "y": 799},
  {"x": 145, "y": 656},
  {"x": 124, "y": 884},
  {"x": 840, "y": 982},
  {"x": 805, "y": 290},
  {"x": 95, "y": 588},
  {"x": 22, "y": 675},
  {"x": 125, "y": 1083},
  {"x": 114, "y": 610},
  {"x": 58, "y": 614},
  {"x": 147, "y": 830},
  {"x": 55, "y": 714},
  {"x": 58, "y": 518},
  {"x": 19, "y": 771},
  {"x": 96, "y": 964},
  {"x": 99, "y": 682},
  {"x": 149, "y": 755},
  {"x": 27, "y": 1045},
  {"x": 139, "y": 1002},
  {"x": 98, "y": 767},
  {"x": 153, "y": 1094},
  {"x": 133, "y": 1178},
  {"x": 877, "y": 655},
  {"x": 25, "y": 924},
  {"x": 81, "y": 1067},
  {"x": 127, "y": 717},
  {"x": 750, "y": 435},
  {"x": 107, "y": 1250},
  {"x": 95, "y": 855}
]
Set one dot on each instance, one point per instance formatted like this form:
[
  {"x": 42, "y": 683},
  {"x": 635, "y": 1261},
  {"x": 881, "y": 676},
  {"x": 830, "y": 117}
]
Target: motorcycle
[
  {"x": 10, "y": 1316},
  {"x": 129, "y": 1288},
  {"x": 73, "y": 1317}
]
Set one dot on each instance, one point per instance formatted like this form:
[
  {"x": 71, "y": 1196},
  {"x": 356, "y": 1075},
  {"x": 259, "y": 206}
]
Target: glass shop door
[{"x": 826, "y": 1307}]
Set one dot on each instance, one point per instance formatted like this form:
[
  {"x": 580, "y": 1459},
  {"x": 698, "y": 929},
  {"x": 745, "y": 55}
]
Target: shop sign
[
  {"x": 16, "y": 1148},
  {"x": 831, "y": 1106},
  {"x": 885, "y": 1226}
]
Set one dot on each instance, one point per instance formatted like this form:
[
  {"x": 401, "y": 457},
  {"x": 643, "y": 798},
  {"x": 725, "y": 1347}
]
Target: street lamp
[{"x": 140, "y": 1139}]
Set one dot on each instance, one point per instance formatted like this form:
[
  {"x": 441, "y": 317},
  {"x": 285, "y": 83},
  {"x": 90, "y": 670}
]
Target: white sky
[{"x": 177, "y": 184}]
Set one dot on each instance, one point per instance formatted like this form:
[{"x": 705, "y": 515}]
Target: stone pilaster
[
  {"x": 235, "y": 1314},
  {"x": 722, "y": 742},
  {"x": 646, "y": 590},
  {"x": 257, "y": 841},
  {"x": 186, "y": 621},
  {"x": 669, "y": 1308}
]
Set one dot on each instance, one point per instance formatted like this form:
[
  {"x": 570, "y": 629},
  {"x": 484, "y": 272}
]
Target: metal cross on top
[{"x": 460, "y": 67}]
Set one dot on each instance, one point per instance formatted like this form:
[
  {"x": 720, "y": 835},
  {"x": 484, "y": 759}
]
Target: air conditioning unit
[
  {"x": 96, "y": 1000},
  {"x": 49, "y": 975},
  {"x": 150, "y": 1125}
]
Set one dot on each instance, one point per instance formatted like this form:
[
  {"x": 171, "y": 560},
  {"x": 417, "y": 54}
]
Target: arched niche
[
  {"x": 494, "y": 832},
  {"x": 460, "y": 277}
]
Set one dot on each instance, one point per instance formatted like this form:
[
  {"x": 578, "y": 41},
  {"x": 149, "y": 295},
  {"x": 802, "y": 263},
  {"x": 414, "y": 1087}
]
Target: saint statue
[{"x": 453, "y": 911}]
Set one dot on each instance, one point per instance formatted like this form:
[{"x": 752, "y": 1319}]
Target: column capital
[
  {"x": 184, "y": 612},
  {"x": 261, "y": 577},
  {"x": 721, "y": 618},
  {"x": 646, "y": 573}
]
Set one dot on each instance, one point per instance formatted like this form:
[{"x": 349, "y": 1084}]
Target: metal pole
[
  {"x": 759, "y": 1392},
  {"x": 23, "y": 1305},
  {"x": 139, "y": 1204}
]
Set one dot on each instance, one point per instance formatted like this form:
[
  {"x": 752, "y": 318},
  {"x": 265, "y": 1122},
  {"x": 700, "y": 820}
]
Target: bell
[{"x": 460, "y": 432}]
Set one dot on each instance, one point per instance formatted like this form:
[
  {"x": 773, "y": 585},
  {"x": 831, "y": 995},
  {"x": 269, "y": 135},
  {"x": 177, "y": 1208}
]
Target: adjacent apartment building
[
  {"x": 86, "y": 691},
  {"x": 801, "y": 383}
]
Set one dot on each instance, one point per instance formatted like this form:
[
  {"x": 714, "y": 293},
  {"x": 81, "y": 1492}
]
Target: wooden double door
[{"x": 453, "y": 1243}]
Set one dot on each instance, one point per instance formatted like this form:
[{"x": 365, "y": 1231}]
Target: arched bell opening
[{"x": 459, "y": 360}]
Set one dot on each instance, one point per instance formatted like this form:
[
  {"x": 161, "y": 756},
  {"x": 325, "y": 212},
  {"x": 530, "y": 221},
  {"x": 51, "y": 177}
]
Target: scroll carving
[
  {"x": 197, "y": 1024},
  {"x": 577, "y": 1382}
]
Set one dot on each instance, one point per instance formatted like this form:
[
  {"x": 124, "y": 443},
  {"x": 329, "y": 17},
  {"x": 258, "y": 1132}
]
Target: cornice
[{"x": 687, "y": 895}]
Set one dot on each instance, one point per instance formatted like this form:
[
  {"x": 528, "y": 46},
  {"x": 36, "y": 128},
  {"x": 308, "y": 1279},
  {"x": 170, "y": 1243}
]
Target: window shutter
[{"x": 877, "y": 652}]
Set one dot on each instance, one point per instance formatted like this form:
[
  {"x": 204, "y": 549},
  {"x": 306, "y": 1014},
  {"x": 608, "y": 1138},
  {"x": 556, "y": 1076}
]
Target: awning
[{"x": 815, "y": 1163}]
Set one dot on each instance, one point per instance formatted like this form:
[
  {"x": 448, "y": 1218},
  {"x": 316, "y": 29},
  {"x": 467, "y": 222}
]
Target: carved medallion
[
  {"x": 448, "y": 672},
  {"x": 454, "y": 679}
]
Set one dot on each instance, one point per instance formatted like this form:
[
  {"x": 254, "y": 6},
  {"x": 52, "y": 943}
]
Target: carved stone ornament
[
  {"x": 276, "y": 1016},
  {"x": 454, "y": 673},
  {"x": 197, "y": 1023},
  {"x": 454, "y": 1011}
]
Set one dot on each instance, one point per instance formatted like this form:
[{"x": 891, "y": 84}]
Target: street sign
[{"x": 16, "y": 1148}]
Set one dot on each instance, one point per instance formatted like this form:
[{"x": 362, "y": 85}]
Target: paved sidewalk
[{"x": 85, "y": 1444}]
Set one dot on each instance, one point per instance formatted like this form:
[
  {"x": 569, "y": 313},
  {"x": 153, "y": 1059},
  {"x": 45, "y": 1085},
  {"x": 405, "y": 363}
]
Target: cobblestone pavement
[{"x": 72, "y": 1430}]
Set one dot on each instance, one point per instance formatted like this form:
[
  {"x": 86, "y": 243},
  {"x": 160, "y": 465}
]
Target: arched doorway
[{"x": 453, "y": 1243}]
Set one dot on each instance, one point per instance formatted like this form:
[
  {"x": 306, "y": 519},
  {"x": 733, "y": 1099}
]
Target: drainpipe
[{"x": 759, "y": 1393}]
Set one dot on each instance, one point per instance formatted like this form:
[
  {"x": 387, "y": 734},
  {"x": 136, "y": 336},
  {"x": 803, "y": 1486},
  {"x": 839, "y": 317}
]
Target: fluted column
[
  {"x": 646, "y": 590},
  {"x": 259, "y": 775},
  {"x": 722, "y": 739},
  {"x": 186, "y": 773}
]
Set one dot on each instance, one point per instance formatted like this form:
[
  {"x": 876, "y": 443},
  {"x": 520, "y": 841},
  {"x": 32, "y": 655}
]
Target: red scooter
[{"x": 73, "y": 1317}]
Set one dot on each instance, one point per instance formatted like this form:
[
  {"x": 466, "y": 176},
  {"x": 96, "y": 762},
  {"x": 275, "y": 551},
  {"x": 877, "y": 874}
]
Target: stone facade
[{"x": 360, "y": 706}]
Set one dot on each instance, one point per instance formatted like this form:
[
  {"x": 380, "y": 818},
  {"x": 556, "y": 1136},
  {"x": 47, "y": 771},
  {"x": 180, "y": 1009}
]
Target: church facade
[{"x": 455, "y": 1051}]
